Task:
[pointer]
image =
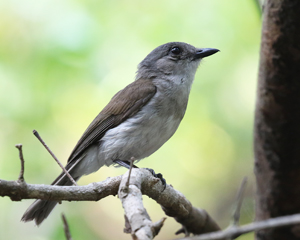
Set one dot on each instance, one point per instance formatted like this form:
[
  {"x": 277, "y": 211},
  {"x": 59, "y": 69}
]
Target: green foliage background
[{"x": 62, "y": 60}]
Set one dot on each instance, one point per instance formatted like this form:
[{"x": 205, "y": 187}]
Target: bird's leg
[
  {"x": 123, "y": 163},
  {"x": 126, "y": 164}
]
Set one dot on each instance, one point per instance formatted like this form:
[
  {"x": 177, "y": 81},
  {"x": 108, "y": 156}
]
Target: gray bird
[{"x": 137, "y": 121}]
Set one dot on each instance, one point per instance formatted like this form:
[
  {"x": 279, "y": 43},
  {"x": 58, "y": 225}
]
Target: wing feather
[{"x": 123, "y": 105}]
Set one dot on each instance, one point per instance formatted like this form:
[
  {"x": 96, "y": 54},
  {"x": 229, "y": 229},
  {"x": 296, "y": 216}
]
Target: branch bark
[
  {"x": 194, "y": 220},
  {"x": 131, "y": 196},
  {"x": 92, "y": 192},
  {"x": 173, "y": 202}
]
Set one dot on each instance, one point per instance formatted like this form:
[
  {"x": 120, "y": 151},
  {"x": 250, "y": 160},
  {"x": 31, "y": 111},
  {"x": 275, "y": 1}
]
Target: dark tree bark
[{"x": 277, "y": 120}]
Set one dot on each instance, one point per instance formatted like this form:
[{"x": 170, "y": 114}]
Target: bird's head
[{"x": 173, "y": 59}]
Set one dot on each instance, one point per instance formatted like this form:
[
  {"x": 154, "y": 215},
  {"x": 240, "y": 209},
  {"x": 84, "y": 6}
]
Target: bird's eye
[{"x": 176, "y": 50}]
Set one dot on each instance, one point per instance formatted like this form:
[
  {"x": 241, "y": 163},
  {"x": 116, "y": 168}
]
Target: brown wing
[{"x": 123, "y": 105}]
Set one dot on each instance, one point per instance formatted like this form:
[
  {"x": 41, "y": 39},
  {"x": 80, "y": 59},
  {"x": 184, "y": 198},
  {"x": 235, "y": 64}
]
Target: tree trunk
[{"x": 277, "y": 118}]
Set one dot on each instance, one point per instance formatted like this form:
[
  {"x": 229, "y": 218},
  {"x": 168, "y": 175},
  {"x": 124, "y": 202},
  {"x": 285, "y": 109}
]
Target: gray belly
[{"x": 138, "y": 137}]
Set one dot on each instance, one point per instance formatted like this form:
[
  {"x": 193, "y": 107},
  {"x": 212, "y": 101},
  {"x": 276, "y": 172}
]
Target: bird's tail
[{"x": 39, "y": 210}]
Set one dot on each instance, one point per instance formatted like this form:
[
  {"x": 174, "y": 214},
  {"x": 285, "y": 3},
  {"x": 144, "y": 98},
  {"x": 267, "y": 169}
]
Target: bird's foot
[{"x": 158, "y": 175}]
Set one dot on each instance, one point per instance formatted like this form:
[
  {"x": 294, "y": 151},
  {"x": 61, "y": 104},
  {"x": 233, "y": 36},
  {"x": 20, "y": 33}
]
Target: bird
[{"x": 137, "y": 121}]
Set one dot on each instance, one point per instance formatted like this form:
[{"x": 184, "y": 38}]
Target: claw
[{"x": 158, "y": 175}]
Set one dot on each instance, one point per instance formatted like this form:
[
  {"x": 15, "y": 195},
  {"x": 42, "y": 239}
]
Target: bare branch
[
  {"x": 21, "y": 175},
  {"x": 140, "y": 223},
  {"x": 239, "y": 201},
  {"x": 66, "y": 227},
  {"x": 173, "y": 202},
  {"x": 91, "y": 192},
  {"x": 55, "y": 158},
  {"x": 233, "y": 232}
]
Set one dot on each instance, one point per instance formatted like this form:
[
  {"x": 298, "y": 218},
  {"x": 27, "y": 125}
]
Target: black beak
[{"x": 205, "y": 52}]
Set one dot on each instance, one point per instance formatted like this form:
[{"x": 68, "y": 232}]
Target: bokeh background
[{"x": 62, "y": 60}]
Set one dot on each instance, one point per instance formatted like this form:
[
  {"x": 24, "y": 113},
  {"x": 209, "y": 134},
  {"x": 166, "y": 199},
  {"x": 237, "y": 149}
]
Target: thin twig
[
  {"x": 21, "y": 175},
  {"x": 55, "y": 158},
  {"x": 255, "y": 226},
  {"x": 66, "y": 227},
  {"x": 239, "y": 201},
  {"x": 131, "y": 165},
  {"x": 156, "y": 227}
]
